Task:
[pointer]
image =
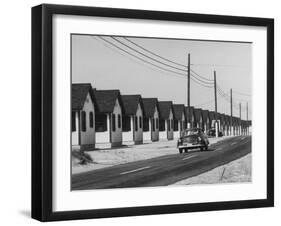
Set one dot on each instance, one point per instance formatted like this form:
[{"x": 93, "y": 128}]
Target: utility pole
[
  {"x": 247, "y": 130},
  {"x": 216, "y": 119},
  {"x": 240, "y": 128},
  {"x": 231, "y": 123},
  {"x": 188, "y": 91}
]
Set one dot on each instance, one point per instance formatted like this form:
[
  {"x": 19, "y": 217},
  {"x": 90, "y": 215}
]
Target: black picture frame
[{"x": 42, "y": 111}]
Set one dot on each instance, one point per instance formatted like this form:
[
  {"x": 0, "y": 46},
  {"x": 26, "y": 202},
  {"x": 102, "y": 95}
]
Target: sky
[{"x": 102, "y": 61}]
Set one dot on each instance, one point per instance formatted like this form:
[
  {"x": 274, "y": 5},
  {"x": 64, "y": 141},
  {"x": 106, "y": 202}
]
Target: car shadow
[{"x": 198, "y": 150}]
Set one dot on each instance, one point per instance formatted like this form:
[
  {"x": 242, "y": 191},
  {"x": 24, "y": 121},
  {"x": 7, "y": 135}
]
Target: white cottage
[
  {"x": 179, "y": 119},
  {"x": 108, "y": 118},
  {"x": 206, "y": 120},
  {"x": 132, "y": 119},
  {"x": 190, "y": 117},
  {"x": 83, "y": 116},
  {"x": 166, "y": 123},
  {"x": 151, "y": 119},
  {"x": 198, "y": 118}
]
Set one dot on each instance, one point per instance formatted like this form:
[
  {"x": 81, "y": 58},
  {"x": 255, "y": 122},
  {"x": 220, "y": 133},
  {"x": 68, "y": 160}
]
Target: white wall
[
  {"x": 88, "y": 136},
  {"x": 75, "y": 134},
  {"x": 147, "y": 134},
  {"x": 129, "y": 135},
  {"x": 163, "y": 134},
  {"x": 138, "y": 134},
  {"x": 116, "y": 136},
  {"x": 178, "y": 133},
  {"x": 152, "y": 135},
  {"x": 170, "y": 133},
  {"x": 15, "y": 197},
  {"x": 155, "y": 134},
  {"x": 104, "y": 137}
]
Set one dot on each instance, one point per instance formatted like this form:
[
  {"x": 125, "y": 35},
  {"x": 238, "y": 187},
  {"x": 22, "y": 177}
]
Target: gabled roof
[
  {"x": 198, "y": 114},
  {"x": 221, "y": 118},
  {"x": 189, "y": 111},
  {"x": 130, "y": 103},
  {"x": 178, "y": 110},
  {"x": 227, "y": 119},
  {"x": 149, "y": 105},
  {"x": 212, "y": 115},
  {"x": 79, "y": 92},
  {"x": 165, "y": 107},
  {"x": 106, "y": 100},
  {"x": 205, "y": 114}
]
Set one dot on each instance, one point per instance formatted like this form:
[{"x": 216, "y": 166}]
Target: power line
[
  {"x": 153, "y": 53},
  {"x": 163, "y": 58},
  {"x": 218, "y": 65},
  {"x": 202, "y": 76},
  {"x": 167, "y": 65},
  {"x": 196, "y": 80}
]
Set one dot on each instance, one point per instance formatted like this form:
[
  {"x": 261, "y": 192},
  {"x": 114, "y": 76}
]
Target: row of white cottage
[{"x": 105, "y": 118}]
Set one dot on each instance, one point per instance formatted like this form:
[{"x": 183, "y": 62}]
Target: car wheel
[
  {"x": 180, "y": 150},
  {"x": 206, "y": 148},
  {"x": 185, "y": 150}
]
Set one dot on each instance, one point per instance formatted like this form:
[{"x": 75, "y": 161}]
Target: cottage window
[
  {"x": 101, "y": 122},
  {"x": 145, "y": 124},
  {"x": 140, "y": 122},
  {"x": 91, "y": 119},
  {"x": 136, "y": 123},
  {"x": 162, "y": 125},
  {"x": 176, "y": 125},
  {"x": 119, "y": 121},
  {"x": 153, "y": 124},
  {"x": 113, "y": 122},
  {"x": 126, "y": 123},
  {"x": 83, "y": 123},
  {"x": 73, "y": 124}
]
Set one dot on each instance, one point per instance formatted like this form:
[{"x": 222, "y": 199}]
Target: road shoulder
[{"x": 239, "y": 170}]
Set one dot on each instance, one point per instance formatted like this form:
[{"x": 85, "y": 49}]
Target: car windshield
[{"x": 190, "y": 132}]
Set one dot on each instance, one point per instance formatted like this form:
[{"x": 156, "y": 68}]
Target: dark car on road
[{"x": 191, "y": 139}]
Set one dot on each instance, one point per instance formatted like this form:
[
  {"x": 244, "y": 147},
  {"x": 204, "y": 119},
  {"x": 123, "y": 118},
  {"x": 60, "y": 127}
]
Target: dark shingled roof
[
  {"x": 226, "y": 119},
  {"x": 178, "y": 110},
  {"x": 130, "y": 103},
  {"x": 79, "y": 93},
  {"x": 198, "y": 114},
  {"x": 165, "y": 107},
  {"x": 205, "y": 114},
  {"x": 106, "y": 100},
  {"x": 189, "y": 111},
  {"x": 212, "y": 115},
  {"x": 149, "y": 105},
  {"x": 221, "y": 117}
]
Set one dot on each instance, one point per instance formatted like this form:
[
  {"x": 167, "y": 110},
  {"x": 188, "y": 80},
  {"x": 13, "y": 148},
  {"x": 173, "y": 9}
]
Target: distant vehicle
[
  {"x": 212, "y": 133},
  {"x": 191, "y": 139}
]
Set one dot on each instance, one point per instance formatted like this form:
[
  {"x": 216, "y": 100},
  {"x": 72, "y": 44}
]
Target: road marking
[
  {"x": 233, "y": 143},
  {"x": 189, "y": 157},
  {"x": 135, "y": 170}
]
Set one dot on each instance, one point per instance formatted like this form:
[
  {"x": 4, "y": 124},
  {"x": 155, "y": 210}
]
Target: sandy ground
[
  {"x": 239, "y": 170},
  {"x": 109, "y": 157}
]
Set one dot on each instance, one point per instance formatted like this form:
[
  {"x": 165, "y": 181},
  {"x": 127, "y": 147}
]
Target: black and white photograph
[{"x": 153, "y": 111}]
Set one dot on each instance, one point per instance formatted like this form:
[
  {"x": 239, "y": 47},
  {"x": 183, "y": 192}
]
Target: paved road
[{"x": 166, "y": 169}]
